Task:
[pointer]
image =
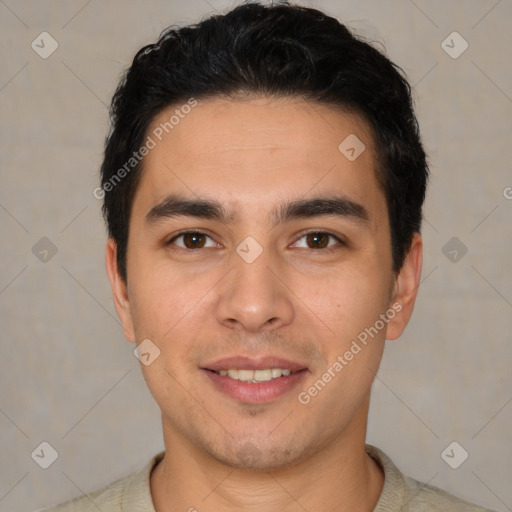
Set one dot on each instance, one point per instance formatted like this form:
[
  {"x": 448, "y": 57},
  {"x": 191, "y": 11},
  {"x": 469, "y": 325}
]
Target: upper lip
[{"x": 253, "y": 363}]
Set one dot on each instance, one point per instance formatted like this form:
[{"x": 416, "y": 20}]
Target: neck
[{"x": 341, "y": 476}]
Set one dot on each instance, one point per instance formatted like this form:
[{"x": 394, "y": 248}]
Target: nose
[{"x": 254, "y": 296}]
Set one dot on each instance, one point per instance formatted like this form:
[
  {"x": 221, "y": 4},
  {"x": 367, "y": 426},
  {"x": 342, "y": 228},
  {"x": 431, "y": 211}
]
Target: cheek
[
  {"x": 349, "y": 299},
  {"x": 351, "y": 305},
  {"x": 155, "y": 297},
  {"x": 168, "y": 304}
]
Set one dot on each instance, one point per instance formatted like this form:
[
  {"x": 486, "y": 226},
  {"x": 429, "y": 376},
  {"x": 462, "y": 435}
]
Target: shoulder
[
  {"x": 406, "y": 494},
  {"x": 133, "y": 489},
  {"x": 108, "y": 499},
  {"x": 425, "y": 497}
]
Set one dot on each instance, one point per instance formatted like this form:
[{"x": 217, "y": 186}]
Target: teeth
[
  {"x": 245, "y": 375},
  {"x": 255, "y": 376},
  {"x": 262, "y": 375},
  {"x": 233, "y": 374}
]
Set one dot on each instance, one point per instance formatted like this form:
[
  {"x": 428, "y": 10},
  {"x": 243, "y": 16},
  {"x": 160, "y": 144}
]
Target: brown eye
[
  {"x": 318, "y": 240},
  {"x": 191, "y": 240}
]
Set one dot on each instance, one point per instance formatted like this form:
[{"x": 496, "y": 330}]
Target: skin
[{"x": 296, "y": 301}]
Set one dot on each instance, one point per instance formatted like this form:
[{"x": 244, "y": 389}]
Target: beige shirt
[{"x": 400, "y": 493}]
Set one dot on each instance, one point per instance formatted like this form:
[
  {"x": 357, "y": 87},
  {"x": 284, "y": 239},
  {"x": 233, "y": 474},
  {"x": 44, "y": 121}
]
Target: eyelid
[
  {"x": 184, "y": 232},
  {"x": 301, "y": 235},
  {"x": 321, "y": 232}
]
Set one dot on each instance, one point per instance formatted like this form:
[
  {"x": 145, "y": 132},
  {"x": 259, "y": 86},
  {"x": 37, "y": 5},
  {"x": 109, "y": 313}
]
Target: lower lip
[{"x": 255, "y": 393}]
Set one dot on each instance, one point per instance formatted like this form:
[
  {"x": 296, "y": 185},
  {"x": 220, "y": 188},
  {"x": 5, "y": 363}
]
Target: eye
[
  {"x": 319, "y": 240},
  {"x": 191, "y": 240},
  {"x": 316, "y": 240}
]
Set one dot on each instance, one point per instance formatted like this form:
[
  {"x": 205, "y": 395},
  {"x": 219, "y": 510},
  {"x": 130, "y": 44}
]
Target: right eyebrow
[{"x": 175, "y": 206}]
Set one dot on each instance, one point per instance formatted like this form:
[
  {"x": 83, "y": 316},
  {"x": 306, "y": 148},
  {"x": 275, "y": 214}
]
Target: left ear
[{"x": 406, "y": 289}]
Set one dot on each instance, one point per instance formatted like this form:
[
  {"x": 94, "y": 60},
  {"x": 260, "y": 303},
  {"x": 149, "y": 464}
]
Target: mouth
[
  {"x": 254, "y": 380},
  {"x": 255, "y": 376}
]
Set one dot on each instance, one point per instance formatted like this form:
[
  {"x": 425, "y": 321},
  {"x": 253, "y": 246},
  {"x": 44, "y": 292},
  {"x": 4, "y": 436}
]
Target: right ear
[
  {"x": 406, "y": 288},
  {"x": 119, "y": 291}
]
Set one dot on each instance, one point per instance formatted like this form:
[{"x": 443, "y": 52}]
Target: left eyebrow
[
  {"x": 338, "y": 206},
  {"x": 177, "y": 205}
]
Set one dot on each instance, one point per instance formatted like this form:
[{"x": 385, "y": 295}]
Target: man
[{"x": 263, "y": 187}]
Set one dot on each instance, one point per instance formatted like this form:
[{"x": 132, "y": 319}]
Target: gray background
[{"x": 70, "y": 378}]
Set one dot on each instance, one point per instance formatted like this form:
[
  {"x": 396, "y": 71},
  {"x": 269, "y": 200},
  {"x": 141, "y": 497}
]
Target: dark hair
[{"x": 273, "y": 50}]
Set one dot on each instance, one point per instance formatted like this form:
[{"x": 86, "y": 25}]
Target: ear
[
  {"x": 119, "y": 291},
  {"x": 405, "y": 289}
]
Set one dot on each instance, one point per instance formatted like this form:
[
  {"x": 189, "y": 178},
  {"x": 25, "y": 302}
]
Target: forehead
[
  {"x": 220, "y": 125},
  {"x": 258, "y": 150}
]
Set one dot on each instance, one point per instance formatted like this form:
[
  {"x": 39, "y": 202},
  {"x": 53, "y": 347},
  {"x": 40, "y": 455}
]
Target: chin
[{"x": 260, "y": 456}]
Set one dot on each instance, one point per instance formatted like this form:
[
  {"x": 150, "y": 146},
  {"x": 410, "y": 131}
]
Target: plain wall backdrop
[{"x": 69, "y": 378}]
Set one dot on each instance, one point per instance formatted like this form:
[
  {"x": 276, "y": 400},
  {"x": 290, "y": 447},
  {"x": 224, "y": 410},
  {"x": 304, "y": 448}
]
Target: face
[{"x": 256, "y": 244}]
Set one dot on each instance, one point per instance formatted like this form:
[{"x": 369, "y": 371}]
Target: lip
[
  {"x": 253, "y": 363},
  {"x": 254, "y": 393}
]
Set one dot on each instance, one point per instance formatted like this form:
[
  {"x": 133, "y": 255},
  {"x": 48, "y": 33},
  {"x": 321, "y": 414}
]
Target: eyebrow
[{"x": 175, "y": 206}]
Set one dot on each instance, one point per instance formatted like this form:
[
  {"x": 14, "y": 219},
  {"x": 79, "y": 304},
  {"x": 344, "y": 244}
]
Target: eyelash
[{"x": 302, "y": 235}]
